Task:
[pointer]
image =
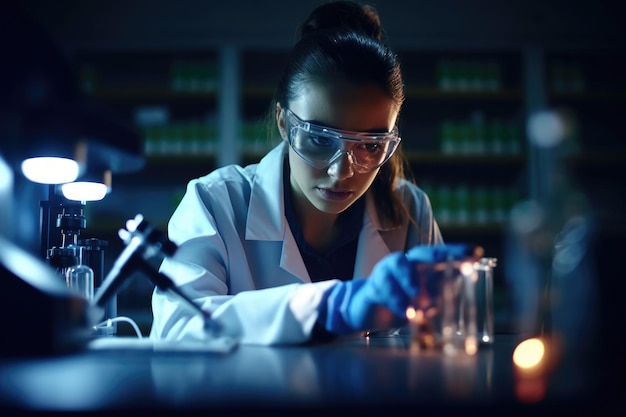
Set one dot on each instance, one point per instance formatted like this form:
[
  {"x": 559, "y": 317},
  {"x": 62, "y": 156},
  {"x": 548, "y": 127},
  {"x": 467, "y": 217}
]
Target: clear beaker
[{"x": 443, "y": 315}]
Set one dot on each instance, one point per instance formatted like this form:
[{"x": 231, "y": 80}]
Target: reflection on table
[{"x": 358, "y": 373}]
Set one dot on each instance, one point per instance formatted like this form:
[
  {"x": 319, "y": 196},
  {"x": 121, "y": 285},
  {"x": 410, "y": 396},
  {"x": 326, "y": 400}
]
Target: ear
[{"x": 281, "y": 122}]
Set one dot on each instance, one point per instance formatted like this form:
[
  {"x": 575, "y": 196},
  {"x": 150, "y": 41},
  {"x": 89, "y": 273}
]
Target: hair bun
[{"x": 343, "y": 16}]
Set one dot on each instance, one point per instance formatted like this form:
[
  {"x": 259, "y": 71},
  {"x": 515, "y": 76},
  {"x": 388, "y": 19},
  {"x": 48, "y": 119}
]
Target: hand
[{"x": 380, "y": 301}]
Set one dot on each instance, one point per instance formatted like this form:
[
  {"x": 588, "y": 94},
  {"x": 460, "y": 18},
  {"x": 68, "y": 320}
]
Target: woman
[{"x": 309, "y": 243}]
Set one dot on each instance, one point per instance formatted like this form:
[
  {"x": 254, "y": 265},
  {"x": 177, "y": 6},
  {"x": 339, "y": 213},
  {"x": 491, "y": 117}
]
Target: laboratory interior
[{"x": 514, "y": 124}]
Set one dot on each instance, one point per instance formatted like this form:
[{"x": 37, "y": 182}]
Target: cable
[{"x": 109, "y": 322}]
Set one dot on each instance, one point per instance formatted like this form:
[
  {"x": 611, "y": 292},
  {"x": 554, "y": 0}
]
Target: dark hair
[{"x": 334, "y": 42}]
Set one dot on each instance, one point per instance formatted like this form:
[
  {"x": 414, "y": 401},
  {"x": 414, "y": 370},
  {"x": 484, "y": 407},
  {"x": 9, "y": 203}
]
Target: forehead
[{"x": 345, "y": 106}]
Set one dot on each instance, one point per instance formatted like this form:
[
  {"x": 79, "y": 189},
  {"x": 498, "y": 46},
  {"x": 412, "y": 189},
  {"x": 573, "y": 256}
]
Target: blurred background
[{"x": 195, "y": 78}]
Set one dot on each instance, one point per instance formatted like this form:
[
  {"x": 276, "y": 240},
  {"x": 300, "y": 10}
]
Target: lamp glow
[
  {"x": 84, "y": 191},
  {"x": 50, "y": 170},
  {"x": 529, "y": 353}
]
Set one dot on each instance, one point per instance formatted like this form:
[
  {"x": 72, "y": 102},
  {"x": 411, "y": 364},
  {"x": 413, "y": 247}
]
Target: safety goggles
[{"x": 320, "y": 145}]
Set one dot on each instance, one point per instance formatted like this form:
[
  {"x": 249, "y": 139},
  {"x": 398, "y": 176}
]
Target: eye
[
  {"x": 321, "y": 140},
  {"x": 371, "y": 147}
]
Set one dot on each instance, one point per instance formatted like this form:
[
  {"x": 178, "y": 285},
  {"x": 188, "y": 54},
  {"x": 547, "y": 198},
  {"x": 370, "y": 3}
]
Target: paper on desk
[{"x": 215, "y": 345}]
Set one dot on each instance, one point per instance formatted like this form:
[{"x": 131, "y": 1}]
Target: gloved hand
[{"x": 380, "y": 301}]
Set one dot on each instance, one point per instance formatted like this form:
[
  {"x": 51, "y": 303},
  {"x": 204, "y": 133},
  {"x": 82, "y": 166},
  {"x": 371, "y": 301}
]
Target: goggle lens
[{"x": 320, "y": 146}]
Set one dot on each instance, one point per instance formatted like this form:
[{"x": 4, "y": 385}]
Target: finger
[{"x": 392, "y": 283}]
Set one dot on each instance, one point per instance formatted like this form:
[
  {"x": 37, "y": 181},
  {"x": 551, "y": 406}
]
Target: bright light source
[
  {"x": 50, "y": 170},
  {"x": 84, "y": 191},
  {"x": 529, "y": 353}
]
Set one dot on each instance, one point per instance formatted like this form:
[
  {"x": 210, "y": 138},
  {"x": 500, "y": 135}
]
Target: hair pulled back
[{"x": 344, "y": 41}]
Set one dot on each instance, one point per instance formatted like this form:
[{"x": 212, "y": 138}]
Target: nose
[{"x": 341, "y": 167}]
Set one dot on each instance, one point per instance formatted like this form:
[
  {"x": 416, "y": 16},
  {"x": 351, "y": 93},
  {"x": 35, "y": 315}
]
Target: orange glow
[
  {"x": 467, "y": 268},
  {"x": 471, "y": 346},
  {"x": 530, "y": 358},
  {"x": 410, "y": 313},
  {"x": 529, "y": 353}
]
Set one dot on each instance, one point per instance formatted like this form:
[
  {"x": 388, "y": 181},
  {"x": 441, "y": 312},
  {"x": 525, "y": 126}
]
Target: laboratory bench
[{"x": 375, "y": 375}]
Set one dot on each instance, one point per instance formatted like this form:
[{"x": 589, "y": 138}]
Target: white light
[
  {"x": 84, "y": 191},
  {"x": 50, "y": 170},
  {"x": 546, "y": 129}
]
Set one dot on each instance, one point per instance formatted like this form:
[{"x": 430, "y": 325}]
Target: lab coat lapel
[
  {"x": 291, "y": 259},
  {"x": 376, "y": 240},
  {"x": 266, "y": 213}
]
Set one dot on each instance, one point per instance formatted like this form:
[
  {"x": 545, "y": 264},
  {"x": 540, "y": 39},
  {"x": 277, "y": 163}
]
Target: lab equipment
[
  {"x": 394, "y": 283},
  {"x": 484, "y": 299},
  {"x": 146, "y": 247},
  {"x": 550, "y": 258},
  {"x": 73, "y": 258},
  {"x": 62, "y": 259},
  {"x": 80, "y": 277},
  {"x": 42, "y": 315},
  {"x": 442, "y": 315},
  {"x": 93, "y": 256},
  {"x": 70, "y": 221}
]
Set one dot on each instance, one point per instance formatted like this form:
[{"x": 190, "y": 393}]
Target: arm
[{"x": 211, "y": 267}]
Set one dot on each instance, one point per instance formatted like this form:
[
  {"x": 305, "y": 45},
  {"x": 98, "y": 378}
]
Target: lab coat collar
[
  {"x": 375, "y": 240},
  {"x": 266, "y": 212}
]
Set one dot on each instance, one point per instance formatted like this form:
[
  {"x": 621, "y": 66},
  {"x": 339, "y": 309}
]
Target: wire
[{"x": 109, "y": 322}]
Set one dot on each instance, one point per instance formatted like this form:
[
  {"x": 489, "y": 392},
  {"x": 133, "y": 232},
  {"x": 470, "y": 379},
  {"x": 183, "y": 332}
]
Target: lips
[{"x": 335, "y": 194}]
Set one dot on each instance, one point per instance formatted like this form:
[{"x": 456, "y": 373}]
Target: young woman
[{"x": 311, "y": 241}]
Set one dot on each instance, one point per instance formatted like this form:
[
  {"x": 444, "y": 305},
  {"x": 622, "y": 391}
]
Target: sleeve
[{"x": 284, "y": 314}]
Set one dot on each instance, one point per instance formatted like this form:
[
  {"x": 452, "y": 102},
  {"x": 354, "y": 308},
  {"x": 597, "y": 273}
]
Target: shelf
[
  {"x": 258, "y": 91},
  {"x": 594, "y": 96},
  {"x": 152, "y": 93},
  {"x": 473, "y": 229},
  {"x": 440, "y": 158},
  {"x": 173, "y": 170},
  {"x": 418, "y": 92}
]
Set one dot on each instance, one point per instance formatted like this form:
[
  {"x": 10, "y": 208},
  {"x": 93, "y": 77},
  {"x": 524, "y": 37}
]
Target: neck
[{"x": 319, "y": 228}]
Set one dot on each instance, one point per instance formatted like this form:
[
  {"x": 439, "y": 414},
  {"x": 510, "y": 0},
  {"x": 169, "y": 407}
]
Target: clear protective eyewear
[{"x": 320, "y": 145}]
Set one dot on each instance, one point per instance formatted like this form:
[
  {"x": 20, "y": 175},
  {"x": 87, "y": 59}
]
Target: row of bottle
[
  {"x": 191, "y": 76},
  {"x": 197, "y": 137},
  {"x": 469, "y": 75},
  {"x": 254, "y": 135},
  {"x": 181, "y": 138},
  {"x": 470, "y": 205},
  {"x": 479, "y": 137}
]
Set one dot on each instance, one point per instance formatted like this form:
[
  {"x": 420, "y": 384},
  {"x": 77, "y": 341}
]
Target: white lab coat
[{"x": 238, "y": 259}]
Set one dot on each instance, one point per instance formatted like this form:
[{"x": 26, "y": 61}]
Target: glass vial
[
  {"x": 484, "y": 299},
  {"x": 80, "y": 277}
]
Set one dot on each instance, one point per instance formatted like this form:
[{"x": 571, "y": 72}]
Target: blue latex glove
[{"x": 381, "y": 300}]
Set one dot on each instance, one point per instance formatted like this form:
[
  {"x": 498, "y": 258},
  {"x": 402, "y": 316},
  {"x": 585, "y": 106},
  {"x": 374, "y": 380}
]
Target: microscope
[{"x": 78, "y": 262}]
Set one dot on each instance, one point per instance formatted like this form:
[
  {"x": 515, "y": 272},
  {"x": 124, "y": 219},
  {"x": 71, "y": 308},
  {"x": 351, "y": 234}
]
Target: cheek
[
  {"x": 301, "y": 170},
  {"x": 365, "y": 180}
]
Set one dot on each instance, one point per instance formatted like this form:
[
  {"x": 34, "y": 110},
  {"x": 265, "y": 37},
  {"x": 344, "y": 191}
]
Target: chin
[{"x": 333, "y": 207}]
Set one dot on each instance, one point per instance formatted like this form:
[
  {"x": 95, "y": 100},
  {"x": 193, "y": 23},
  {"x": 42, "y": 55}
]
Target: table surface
[{"x": 360, "y": 373}]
